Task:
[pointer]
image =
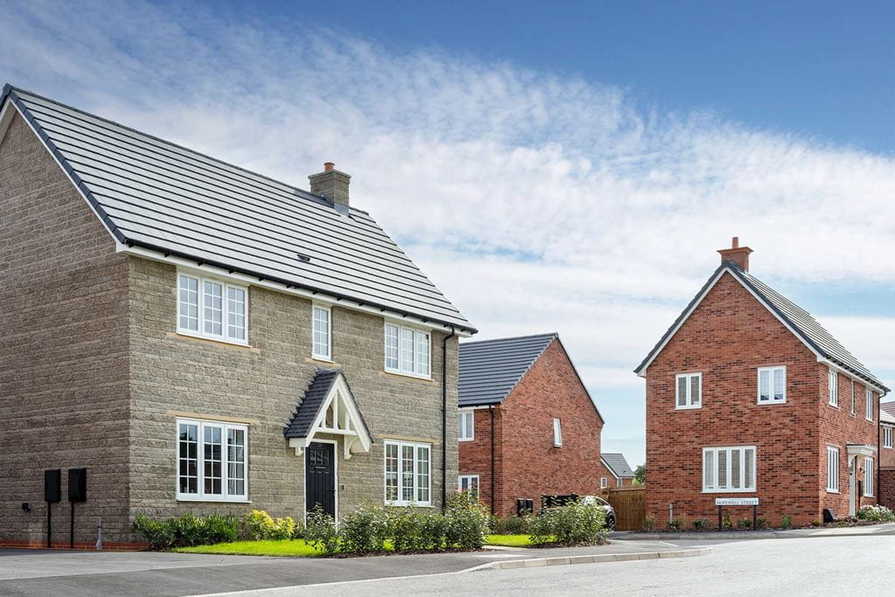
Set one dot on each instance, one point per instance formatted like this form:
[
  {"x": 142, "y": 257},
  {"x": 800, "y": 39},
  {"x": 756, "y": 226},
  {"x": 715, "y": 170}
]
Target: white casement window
[
  {"x": 212, "y": 461},
  {"x": 771, "y": 385},
  {"x": 869, "y": 472},
  {"x": 321, "y": 334},
  {"x": 557, "y": 433},
  {"x": 887, "y": 436},
  {"x": 212, "y": 309},
  {"x": 604, "y": 482},
  {"x": 854, "y": 399},
  {"x": 619, "y": 482},
  {"x": 408, "y": 478},
  {"x": 407, "y": 351},
  {"x": 469, "y": 483},
  {"x": 689, "y": 390},
  {"x": 868, "y": 402},
  {"x": 833, "y": 387},
  {"x": 728, "y": 470},
  {"x": 467, "y": 426},
  {"x": 832, "y": 469}
]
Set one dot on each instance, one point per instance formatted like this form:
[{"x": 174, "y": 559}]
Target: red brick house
[
  {"x": 747, "y": 395},
  {"x": 616, "y": 471},
  {"x": 887, "y": 454},
  {"x": 528, "y": 427}
]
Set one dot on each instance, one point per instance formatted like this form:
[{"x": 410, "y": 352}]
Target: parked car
[{"x": 607, "y": 508}]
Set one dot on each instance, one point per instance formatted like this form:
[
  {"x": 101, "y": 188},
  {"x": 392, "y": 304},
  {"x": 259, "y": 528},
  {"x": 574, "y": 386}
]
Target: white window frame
[
  {"x": 557, "y": 433},
  {"x": 417, "y": 363},
  {"x": 854, "y": 400},
  {"x": 771, "y": 371},
  {"x": 688, "y": 399},
  {"x": 400, "y": 501},
  {"x": 619, "y": 482},
  {"x": 833, "y": 387},
  {"x": 328, "y": 355},
  {"x": 833, "y": 469},
  {"x": 604, "y": 482},
  {"x": 469, "y": 479},
  {"x": 466, "y": 431},
  {"x": 868, "y": 476},
  {"x": 225, "y": 309},
  {"x": 200, "y": 495},
  {"x": 715, "y": 451},
  {"x": 868, "y": 407},
  {"x": 887, "y": 436}
]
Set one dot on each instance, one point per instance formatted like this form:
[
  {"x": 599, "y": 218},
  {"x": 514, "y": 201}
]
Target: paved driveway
[{"x": 73, "y": 573}]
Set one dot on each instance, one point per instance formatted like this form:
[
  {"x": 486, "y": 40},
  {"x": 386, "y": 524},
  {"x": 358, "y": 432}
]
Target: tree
[{"x": 640, "y": 474}]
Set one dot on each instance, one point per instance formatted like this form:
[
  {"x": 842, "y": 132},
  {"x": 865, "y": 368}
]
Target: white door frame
[{"x": 852, "y": 485}]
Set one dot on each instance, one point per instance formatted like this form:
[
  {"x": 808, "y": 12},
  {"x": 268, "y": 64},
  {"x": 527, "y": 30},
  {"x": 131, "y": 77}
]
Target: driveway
[{"x": 73, "y": 573}]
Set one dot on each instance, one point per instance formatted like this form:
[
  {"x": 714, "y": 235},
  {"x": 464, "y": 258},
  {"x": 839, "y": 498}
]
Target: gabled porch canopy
[
  {"x": 329, "y": 408},
  {"x": 861, "y": 450}
]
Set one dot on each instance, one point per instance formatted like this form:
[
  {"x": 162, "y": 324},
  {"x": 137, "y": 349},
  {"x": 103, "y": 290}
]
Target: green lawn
[{"x": 299, "y": 548}]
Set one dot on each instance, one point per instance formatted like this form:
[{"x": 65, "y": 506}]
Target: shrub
[
  {"x": 365, "y": 530},
  {"x": 786, "y": 522},
  {"x": 573, "y": 524},
  {"x": 700, "y": 524},
  {"x": 466, "y": 522},
  {"x": 675, "y": 524},
  {"x": 761, "y": 523},
  {"x": 187, "y": 530},
  {"x": 744, "y": 523},
  {"x": 258, "y": 524},
  {"x": 649, "y": 523},
  {"x": 876, "y": 514},
  {"x": 321, "y": 532},
  {"x": 511, "y": 525},
  {"x": 726, "y": 523}
]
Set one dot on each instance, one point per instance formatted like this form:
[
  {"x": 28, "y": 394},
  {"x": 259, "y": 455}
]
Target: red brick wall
[
  {"x": 726, "y": 338},
  {"x": 887, "y": 487},
  {"x": 528, "y": 466}
]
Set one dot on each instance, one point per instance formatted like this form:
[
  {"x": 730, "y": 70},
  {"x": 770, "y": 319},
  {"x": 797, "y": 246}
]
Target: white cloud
[{"x": 537, "y": 202}]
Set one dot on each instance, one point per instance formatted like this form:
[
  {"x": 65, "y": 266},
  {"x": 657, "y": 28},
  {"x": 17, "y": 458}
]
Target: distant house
[
  {"x": 618, "y": 473},
  {"x": 527, "y": 425},
  {"x": 887, "y": 454},
  {"x": 748, "y": 396}
]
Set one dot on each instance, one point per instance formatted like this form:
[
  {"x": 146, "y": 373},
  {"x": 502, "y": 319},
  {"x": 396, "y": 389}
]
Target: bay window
[
  {"x": 407, "y": 351},
  {"x": 408, "y": 477},
  {"x": 212, "y": 461},
  {"x": 212, "y": 309},
  {"x": 728, "y": 470}
]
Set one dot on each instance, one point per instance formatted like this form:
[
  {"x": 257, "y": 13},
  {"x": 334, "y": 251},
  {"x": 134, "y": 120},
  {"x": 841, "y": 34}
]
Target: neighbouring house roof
[
  {"x": 617, "y": 465},
  {"x": 490, "y": 369},
  {"x": 887, "y": 412},
  {"x": 161, "y": 197},
  {"x": 799, "y": 322}
]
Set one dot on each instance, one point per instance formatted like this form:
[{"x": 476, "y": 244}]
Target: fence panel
[{"x": 630, "y": 507}]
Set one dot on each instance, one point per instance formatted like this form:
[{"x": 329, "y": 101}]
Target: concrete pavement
[{"x": 856, "y": 531}]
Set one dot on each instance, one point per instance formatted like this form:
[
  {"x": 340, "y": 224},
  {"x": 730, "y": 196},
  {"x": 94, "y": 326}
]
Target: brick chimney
[
  {"x": 332, "y": 184},
  {"x": 737, "y": 254}
]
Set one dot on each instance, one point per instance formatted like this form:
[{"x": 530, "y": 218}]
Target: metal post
[
  {"x": 99, "y": 535},
  {"x": 719, "y": 517},
  {"x": 71, "y": 520},
  {"x": 754, "y": 517},
  {"x": 49, "y": 525}
]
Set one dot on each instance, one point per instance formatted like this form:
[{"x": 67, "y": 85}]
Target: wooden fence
[{"x": 630, "y": 508}]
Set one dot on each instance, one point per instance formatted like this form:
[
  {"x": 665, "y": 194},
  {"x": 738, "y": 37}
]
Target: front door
[
  {"x": 852, "y": 485},
  {"x": 320, "y": 477}
]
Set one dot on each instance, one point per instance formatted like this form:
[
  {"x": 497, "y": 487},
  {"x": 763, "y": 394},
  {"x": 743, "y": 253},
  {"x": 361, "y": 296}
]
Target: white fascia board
[
  {"x": 642, "y": 371},
  {"x": 6, "y": 114},
  {"x": 246, "y": 280}
]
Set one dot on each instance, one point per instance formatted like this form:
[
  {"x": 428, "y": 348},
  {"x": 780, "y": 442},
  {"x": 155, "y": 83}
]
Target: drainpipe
[
  {"x": 493, "y": 443},
  {"x": 444, "y": 392},
  {"x": 879, "y": 445}
]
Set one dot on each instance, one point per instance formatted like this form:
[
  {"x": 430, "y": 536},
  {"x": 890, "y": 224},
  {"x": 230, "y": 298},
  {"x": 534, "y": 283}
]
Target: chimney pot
[
  {"x": 331, "y": 184},
  {"x": 737, "y": 254}
]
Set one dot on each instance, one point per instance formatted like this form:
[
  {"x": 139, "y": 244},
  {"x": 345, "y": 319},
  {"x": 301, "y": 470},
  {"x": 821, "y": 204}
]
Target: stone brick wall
[
  {"x": 63, "y": 362},
  {"x": 173, "y": 374},
  {"x": 528, "y": 465},
  {"x": 727, "y": 337}
]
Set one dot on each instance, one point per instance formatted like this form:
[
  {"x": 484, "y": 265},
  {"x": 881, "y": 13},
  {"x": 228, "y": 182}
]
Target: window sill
[
  {"x": 411, "y": 504},
  {"x": 836, "y": 406},
  {"x": 192, "y": 336},
  {"x": 211, "y": 500},
  {"x": 687, "y": 407},
  {"x": 770, "y": 402},
  {"x": 836, "y": 491},
  {"x": 729, "y": 491},
  {"x": 408, "y": 375},
  {"x": 471, "y": 439},
  {"x": 322, "y": 359}
]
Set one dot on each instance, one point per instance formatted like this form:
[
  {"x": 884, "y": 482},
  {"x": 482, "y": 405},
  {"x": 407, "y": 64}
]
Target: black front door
[{"x": 320, "y": 477}]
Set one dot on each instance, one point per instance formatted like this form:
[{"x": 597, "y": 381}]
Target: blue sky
[{"x": 565, "y": 167}]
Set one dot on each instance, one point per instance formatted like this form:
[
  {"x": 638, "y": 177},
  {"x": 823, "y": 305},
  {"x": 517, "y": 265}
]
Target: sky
[{"x": 567, "y": 167}]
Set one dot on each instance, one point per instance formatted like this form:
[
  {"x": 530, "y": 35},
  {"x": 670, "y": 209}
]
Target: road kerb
[{"x": 594, "y": 559}]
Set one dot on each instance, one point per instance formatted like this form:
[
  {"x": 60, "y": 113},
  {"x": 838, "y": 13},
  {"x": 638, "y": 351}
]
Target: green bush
[
  {"x": 761, "y": 523},
  {"x": 321, "y": 532},
  {"x": 744, "y": 523},
  {"x": 573, "y": 524},
  {"x": 876, "y": 514},
  {"x": 365, "y": 530},
  {"x": 511, "y": 525},
  {"x": 700, "y": 524},
  {"x": 466, "y": 522},
  {"x": 649, "y": 523},
  {"x": 187, "y": 530},
  {"x": 786, "y": 522},
  {"x": 258, "y": 525},
  {"x": 675, "y": 524}
]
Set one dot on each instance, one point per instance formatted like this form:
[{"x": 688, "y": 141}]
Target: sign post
[{"x": 749, "y": 501}]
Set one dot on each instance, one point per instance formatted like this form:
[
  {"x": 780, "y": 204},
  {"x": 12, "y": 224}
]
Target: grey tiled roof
[
  {"x": 617, "y": 464},
  {"x": 800, "y": 321},
  {"x": 887, "y": 412},
  {"x": 490, "y": 369},
  {"x": 315, "y": 395},
  {"x": 157, "y": 195}
]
